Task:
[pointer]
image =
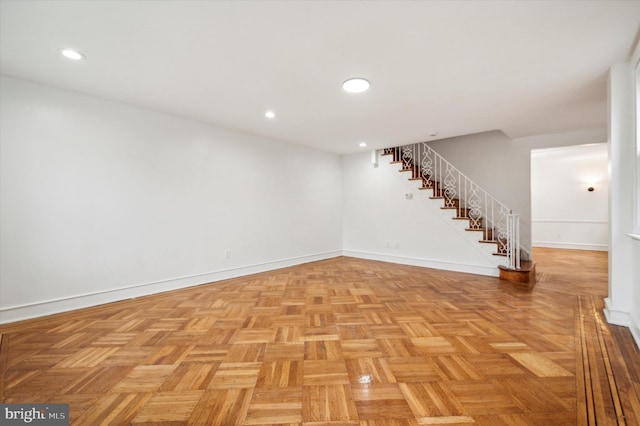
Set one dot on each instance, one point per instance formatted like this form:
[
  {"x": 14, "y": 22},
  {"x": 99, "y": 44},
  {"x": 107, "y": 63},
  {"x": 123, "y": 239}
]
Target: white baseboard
[
  {"x": 617, "y": 316},
  {"x": 70, "y": 303},
  {"x": 491, "y": 271},
  {"x": 634, "y": 327},
  {"x": 571, "y": 246}
]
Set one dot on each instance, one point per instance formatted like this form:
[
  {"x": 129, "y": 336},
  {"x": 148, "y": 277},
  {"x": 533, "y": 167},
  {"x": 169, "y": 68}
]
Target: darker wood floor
[{"x": 343, "y": 341}]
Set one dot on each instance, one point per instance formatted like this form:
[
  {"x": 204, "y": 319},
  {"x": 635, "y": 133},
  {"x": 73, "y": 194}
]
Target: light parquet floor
[{"x": 342, "y": 342}]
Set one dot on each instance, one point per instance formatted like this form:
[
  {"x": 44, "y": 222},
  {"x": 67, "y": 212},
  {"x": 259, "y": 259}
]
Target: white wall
[
  {"x": 381, "y": 223},
  {"x": 635, "y": 306},
  {"x": 564, "y": 214},
  {"x": 623, "y": 301},
  {"x": 102, "y": 201}
]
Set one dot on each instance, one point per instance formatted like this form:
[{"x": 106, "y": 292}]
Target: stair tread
[{"x": 417, "y": 174}]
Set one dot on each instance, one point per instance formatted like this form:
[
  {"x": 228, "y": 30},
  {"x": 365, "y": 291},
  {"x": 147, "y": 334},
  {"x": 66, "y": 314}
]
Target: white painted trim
[
  {"x": 635, "y": 56},
  {"x": 491, "y": 271},
  {"x": 69, "y": 303},
  {"x": 571, "y": 246},
  {"x": 615, "y": 315},
  {"x": 600, "y": 222},
  {"x": 539, "y": 151},
  {"x": 634, "y": 327}
]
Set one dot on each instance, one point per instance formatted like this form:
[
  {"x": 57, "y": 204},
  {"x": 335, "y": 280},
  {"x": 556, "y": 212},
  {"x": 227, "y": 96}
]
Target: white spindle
[{"x": 503, "y": 227}]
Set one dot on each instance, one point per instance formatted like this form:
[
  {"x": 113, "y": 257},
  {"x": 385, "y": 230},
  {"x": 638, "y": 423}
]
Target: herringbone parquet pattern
[{"x": 342, "y": 341}]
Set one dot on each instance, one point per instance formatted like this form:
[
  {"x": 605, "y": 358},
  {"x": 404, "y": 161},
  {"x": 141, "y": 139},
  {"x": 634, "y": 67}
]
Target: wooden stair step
[
  {"x": 525, "y": 274},
  {"x": 438, "y": 191}
]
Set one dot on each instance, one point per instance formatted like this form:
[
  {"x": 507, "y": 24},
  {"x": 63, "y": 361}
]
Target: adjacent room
[{"x": 320, "y": 212}]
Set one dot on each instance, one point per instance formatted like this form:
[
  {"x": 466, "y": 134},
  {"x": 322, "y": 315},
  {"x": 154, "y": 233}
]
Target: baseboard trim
[
  {"x": 634, "y": 327},
  {"x": 491, "y": 271},
  {"x": 64, "y": 304},
  {"x": 617, "y": 316},
  {"x": 597, "y": 222},
  {"x": 571, "y": 246}
]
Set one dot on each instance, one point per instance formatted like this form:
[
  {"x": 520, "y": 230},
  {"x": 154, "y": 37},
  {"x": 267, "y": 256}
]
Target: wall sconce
[{"x": 591, "y": 189}]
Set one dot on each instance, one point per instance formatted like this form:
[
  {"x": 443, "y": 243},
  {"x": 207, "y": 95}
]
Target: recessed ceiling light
[
  {"x": 270, "y": 114},
  {"x": 363, "y": 144},
  {"x": 355, "y": 85},
  {"x": 74, "y": 55}
]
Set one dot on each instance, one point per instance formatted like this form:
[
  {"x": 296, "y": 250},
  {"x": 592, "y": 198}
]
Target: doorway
[{"x": 570, "y": 197}]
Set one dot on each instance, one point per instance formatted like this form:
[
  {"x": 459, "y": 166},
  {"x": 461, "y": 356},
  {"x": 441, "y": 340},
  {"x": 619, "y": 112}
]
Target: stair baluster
[{"x": 483, "y": 212}]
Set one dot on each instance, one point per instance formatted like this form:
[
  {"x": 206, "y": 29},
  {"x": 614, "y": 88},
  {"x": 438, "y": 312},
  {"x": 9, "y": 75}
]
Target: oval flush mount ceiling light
[
  {"x": 356, "y": 85},
  {"x": 363, "y": 144},
  {"x": 74, "y": 55},
  {"x": 270, "y": 114}
]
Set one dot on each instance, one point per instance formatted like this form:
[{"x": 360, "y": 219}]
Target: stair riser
[{"x": 436, "y": 191}]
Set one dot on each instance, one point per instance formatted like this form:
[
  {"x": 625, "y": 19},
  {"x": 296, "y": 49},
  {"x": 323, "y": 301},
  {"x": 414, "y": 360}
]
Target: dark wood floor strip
[
  {"x": 621, "y": 344},
  {"x": 586, "y": 410},
  {"x": 601, "y": 330}
]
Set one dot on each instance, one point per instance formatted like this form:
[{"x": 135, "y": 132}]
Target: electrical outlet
[{"x": 227, "y": 254}]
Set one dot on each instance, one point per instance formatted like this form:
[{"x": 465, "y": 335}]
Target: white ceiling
[{"x": 452, "y": 67}]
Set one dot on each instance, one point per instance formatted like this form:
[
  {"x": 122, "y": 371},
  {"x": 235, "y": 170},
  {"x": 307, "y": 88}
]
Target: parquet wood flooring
[{"x": 340, "y": 342}]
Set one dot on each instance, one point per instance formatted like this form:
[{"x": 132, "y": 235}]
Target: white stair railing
[
  {"x": 513, "y": 241},
  {"x": 485, "y": 213}
]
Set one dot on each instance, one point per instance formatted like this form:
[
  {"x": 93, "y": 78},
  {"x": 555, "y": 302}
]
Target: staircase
[{"x": 494, "y": 222}]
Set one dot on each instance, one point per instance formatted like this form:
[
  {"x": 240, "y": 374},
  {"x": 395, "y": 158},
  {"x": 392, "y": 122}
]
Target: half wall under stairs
[
  {"x": 388, "y": 218},
  {"x": 489, "y": 221}
]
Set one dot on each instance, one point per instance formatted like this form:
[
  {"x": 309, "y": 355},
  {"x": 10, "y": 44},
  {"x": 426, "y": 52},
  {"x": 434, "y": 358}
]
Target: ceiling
[{"x": 445, "y": 67}]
